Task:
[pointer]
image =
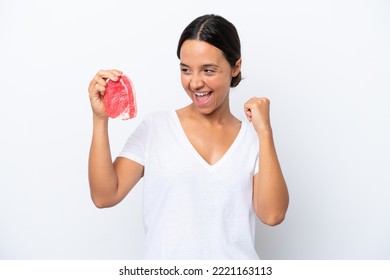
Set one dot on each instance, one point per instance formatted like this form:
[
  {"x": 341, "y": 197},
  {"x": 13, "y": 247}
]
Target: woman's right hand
[{"x": 97, "y": 88}]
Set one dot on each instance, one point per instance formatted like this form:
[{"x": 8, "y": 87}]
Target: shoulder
[
  {"x": 155, "y": 116},
  {"x": 250, "y": 137},
  {"x": 249, "y": 129}
]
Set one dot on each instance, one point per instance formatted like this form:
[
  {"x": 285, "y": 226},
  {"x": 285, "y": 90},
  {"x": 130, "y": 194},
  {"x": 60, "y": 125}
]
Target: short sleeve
[{"x": 136, "y": 146}]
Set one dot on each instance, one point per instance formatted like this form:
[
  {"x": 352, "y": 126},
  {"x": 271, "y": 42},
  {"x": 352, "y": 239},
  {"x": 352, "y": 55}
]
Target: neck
[{"x": 220, "y": 116}]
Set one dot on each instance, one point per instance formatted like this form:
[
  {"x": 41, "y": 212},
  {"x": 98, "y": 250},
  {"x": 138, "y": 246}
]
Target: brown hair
[{"x": 220, "y": 33}]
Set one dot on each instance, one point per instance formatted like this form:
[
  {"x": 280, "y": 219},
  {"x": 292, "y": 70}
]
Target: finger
[
  {"x": 109, "y": 74},
  {"x": 247, "y": 111},
  {"x": 248, "y": 115},
  {"x": 118, "y": 73},
  {"x": 101, "y": 89},
  {"x": 98, "y": 80},
  {"x": 248, "y": 106}
]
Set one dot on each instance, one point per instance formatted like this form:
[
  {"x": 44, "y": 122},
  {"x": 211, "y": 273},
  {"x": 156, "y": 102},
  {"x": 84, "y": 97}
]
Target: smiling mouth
[
  {"x": 202, "y": 97},
  {"x": 201, "y": 94}
]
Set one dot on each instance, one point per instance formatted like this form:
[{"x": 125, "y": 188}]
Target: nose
[{"x": 196, "y": 82}]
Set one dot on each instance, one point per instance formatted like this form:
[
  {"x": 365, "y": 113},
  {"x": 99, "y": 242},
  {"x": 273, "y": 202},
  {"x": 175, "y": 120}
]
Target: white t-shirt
[{"x": 194, "y": 210}]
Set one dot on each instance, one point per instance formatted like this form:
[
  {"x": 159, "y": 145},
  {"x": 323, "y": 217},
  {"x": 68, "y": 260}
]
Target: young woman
[{"x": 206, "y": 173}]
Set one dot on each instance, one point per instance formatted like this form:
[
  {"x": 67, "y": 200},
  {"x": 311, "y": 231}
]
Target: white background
[{"x": 325, "y": 65}]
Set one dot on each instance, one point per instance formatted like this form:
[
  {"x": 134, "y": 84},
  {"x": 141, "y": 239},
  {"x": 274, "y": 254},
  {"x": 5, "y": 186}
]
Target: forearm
[
  {"x": 102, "y": 177},
  {"x": 270, "y": 190}
]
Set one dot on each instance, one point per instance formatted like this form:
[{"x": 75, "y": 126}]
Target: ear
[{"x": 237, "y": 68}]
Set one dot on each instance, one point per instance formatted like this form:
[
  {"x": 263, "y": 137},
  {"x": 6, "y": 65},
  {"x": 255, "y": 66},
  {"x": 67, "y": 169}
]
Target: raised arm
[
  {"x": 109, "y": 182},
  {"x": 270, "y": 194}
]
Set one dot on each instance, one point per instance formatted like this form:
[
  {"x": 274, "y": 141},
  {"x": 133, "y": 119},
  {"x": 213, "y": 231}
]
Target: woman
[{"x": 206, "y": 173}]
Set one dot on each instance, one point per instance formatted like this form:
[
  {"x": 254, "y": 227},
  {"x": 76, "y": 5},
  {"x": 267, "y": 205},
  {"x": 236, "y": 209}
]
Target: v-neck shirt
[
  {"x": 191, "y": 148},
  {"x": 192, "y": 209}
]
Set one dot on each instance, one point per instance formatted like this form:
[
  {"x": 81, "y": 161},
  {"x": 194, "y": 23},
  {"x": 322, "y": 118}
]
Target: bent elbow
[
  {"x": 101, "y": 203},
  {"x": 274, "y": 221}
]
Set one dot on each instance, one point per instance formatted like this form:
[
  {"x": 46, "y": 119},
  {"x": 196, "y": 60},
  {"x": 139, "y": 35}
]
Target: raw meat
[{"x": 119, "y": 99}]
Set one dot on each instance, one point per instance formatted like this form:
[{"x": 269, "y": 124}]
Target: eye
[
  {"x": 184, "y": 70},
  {"x": 209, "y": 71}
]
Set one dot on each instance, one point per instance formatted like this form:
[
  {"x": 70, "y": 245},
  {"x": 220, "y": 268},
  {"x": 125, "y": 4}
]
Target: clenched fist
[{"x": 257, "y": 111}]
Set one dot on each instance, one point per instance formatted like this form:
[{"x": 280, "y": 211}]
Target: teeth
[{"x": 201, "y": 93}]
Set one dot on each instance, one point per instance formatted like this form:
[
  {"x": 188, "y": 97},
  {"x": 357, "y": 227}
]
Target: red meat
[{"x": 119, "y": 99}]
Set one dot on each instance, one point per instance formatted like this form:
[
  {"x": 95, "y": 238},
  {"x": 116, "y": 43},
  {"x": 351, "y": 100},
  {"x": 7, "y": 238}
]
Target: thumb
[{"x": 248, "y": 114}]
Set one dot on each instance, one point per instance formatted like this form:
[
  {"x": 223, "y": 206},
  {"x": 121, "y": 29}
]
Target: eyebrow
[{"x": 203, "y": 66}]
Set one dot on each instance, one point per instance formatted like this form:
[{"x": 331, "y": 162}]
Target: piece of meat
[{"x": 119, "y": 99}]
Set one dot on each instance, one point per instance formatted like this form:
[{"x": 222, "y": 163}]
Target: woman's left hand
[{"x": 257, "y": 112}]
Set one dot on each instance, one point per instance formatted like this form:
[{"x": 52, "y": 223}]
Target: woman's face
[{"x": 206, "y": 75}]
